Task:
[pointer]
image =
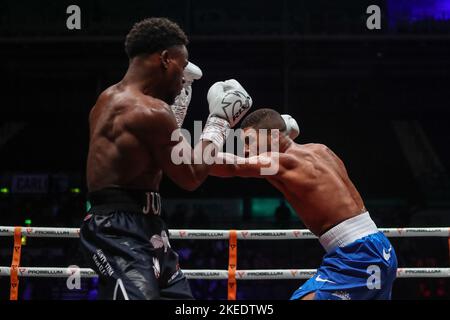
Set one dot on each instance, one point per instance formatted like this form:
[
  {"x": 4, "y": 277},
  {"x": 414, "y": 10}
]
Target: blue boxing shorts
[{"x": 360, "y": 263}]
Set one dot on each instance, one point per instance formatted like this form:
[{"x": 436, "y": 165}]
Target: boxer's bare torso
[
  {"x": 315, "y": 182},
  {"x": 117, "y": 154}
]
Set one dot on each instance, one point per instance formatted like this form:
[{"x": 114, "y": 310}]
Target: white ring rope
[
  {"x": 225, "y": 234},
  {"x": 269, "y": 274},
  {"x": 265, "y": 274}
]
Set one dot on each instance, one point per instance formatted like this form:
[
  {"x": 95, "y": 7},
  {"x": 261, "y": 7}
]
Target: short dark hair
[
  {"x": 153, "y": 34},
  {"x": 264, "y": 119}
]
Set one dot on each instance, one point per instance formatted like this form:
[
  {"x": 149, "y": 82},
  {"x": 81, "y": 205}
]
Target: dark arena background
[{"x": 378, "y": 97}]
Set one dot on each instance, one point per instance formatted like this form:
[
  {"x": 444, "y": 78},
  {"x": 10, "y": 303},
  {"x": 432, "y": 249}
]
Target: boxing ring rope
[
  {"x": 232, "y": 274},
  {"x": 194, "y": 234},
  {"x": 212, "y": 274}
]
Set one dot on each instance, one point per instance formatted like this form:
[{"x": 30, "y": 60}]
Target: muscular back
[
  {"x": 315, "y": 182},
  {"x": 117, "y": 157}
]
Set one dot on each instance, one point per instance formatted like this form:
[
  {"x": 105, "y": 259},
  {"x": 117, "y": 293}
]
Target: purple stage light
[{"x": 410, "y": 11}]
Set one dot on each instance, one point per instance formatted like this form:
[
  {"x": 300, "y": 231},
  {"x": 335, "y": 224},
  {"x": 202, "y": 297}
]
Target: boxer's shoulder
[
  {"x": 304, "y": 157},
  {"x": 130, "y": 99},
  {"x": 149, "y": 110},
  {"x": 313, "y": 147},
  {"x": 128, "y": 110},
  {"x": 309, "y": 150},
  {"x": 150, "y": 118},
  {"x": 285, "y": 161}
]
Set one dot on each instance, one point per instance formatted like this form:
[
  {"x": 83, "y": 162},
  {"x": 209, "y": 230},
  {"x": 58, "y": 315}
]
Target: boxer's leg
[
  {"x": 173, "y": 283},
  {"x": 365, "y": 269},
  {"x": 308, "y": 290},
  {"x": 121, "y": 254},
  {"x": 178, "y": 288}
]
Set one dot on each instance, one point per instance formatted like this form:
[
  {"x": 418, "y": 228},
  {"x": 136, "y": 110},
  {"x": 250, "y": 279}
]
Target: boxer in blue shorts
[{"x": 360, "y": 263}]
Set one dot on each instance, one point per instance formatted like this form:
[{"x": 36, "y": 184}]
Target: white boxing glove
[
  {"x": 191, "y": 73},
  {"x": 292, "y": 129},
  {"x": 229, "y": 100},
  {"x": 181, "y": 104},
  {"x": 228, "y": 103}
]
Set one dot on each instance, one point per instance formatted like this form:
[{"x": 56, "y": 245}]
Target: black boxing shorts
[{"x": 127, "y": 243}]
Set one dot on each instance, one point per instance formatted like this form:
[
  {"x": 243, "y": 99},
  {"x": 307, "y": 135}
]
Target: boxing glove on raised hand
[
  {"x": 182, "y": 101},
  {"x": 228, "y": 100},
  {"x": 228, "y": 103},
  {"x": 191, "y": 73},
  {"x": 292, "y": 129}
]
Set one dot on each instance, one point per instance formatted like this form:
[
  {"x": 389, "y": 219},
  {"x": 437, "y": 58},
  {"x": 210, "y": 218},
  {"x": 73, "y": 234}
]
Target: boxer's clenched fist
[
  {"x": 228, "y": 100},
  {"x": 191, "y": 73},
  {"x": 228, "y": 103},
  {"x": 292, "y": 129}
]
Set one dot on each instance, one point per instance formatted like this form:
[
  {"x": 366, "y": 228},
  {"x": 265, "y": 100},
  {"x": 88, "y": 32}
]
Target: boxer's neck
[{"x": 143, "y": 75}]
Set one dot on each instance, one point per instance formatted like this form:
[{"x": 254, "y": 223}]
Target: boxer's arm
[
  {"x": 182, "y": 101},
  {"x": 230, "y": 165},
  {"x": 154, "y": 127},
  {"x": 182, "y": 164}
]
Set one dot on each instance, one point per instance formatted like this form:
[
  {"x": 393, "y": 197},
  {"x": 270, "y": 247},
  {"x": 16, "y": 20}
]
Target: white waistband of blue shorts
[{"x": 348, "y": 231}]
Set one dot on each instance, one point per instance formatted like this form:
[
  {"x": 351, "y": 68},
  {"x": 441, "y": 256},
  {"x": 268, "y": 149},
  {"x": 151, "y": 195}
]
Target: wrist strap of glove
[
  {"x": 180, "y": 106},
  {"x": 216, "y": 130},
  {"x": 180, "y": 113}
]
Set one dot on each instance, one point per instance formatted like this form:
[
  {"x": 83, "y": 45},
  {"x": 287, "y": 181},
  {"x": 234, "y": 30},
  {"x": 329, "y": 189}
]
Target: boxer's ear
[{"x": 165, "y": 59}]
